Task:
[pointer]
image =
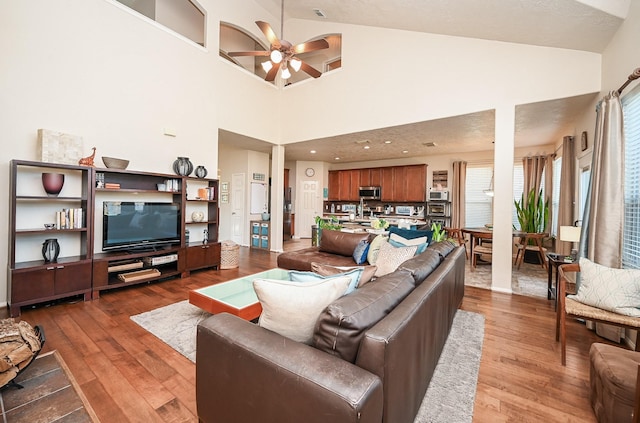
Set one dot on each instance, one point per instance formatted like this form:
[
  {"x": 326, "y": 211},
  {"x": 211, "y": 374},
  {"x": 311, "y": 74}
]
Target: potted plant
[
  {"x": 533, "y": 216},
  {"x": 439, "y": 234},
  {"x": 330, "y": 223}
]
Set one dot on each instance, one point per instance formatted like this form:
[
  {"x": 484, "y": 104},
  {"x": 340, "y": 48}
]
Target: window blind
[
  {"x": 479, "y": 206},
  {"x": 631, "y": 234}
]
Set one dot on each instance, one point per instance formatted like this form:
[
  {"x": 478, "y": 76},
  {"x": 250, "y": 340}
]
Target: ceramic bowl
[{"x": 113, "y": 163}]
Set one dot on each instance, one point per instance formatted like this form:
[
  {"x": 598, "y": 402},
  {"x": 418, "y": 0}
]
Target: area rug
[
  {"x": 49, "y": 394},
  {"x": 452, "y": 390}
]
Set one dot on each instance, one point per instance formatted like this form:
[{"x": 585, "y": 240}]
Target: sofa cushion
[
  {"x": 391, "y": 257},
  {"x": 354, "y": 274},
  {"x": 342, "y": 243},
  {"x": 341, "y": 326},
  {"x": 615, "y": 290},
  {"x": 374, "y": 248},
  {"x": 411, "y": 233},
  {"x": 368, "y": 272},
  {"x": 361, "y": 251},
  {"x": 292, "y": 308},
  {"x": 443, "y": 247},
  {"x": 422, "y": 265},
  {"x": 302, "y": 259},
  {"x": 399, "y": 241}
]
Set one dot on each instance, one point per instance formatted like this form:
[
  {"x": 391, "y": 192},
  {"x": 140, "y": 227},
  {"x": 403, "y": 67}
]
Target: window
[
  {"x": 182, "y": 16},
  {"x": 631, "y": 235},
  {"x": 479, "y": 206},
  {"x": 555, "y": 195}
]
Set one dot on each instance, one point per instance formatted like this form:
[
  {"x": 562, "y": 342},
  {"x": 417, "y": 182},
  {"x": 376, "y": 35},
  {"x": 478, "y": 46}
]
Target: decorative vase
[
  {"x": 50, "y": 250},
  {"x": 201, "y": 172},
  {"x": 183, "y": 166},
  {"x": 197, "y": 216},
  {"x": 52, "y": 183}
]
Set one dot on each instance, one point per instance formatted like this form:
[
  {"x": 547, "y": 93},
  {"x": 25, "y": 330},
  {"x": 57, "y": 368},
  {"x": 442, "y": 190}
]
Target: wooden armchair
[
  {"x": 482, "y": 248},
  {"x": 569, "y": 307}
]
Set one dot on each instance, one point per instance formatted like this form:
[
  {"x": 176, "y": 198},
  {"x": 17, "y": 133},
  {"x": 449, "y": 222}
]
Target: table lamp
[{"x": 571, "y": 234}]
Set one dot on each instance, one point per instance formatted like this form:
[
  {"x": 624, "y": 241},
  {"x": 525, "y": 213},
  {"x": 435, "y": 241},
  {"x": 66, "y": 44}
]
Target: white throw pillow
[
  {"x": 390, "y": 257},
  {"x": 616, "y": 290},
  {"x": 374, "y": 248},
  {"x": 292, "y": 308}
]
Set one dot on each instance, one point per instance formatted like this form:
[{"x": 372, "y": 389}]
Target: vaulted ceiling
[{"x": 587, "y": 25}]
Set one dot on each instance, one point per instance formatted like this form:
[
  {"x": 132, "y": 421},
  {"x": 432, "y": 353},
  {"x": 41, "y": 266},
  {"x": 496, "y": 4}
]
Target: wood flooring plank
[{"x": 119, "y": 365}]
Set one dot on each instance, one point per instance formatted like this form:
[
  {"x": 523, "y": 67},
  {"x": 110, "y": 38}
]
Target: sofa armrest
[{"x": 247, "y": 373}]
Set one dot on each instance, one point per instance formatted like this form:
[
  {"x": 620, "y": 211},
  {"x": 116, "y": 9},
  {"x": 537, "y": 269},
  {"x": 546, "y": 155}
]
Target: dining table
[{"x": 476, "y": 235}]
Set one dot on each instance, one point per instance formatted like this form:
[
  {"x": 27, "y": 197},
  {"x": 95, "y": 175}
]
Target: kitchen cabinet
[
  {"x": 334, "y": 185},
  {"x": 398, "y": 183}
]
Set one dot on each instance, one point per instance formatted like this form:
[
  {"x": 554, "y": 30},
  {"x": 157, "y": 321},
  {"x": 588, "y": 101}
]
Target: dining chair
[
  {"x": 456, "y": 233},
  {"x": 481, "y": 248},
  {"x": 525, "y": 245}
]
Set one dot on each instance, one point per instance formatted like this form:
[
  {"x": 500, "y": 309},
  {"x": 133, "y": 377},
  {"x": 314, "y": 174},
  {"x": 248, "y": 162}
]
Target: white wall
[{"x": 91, "y": 68}]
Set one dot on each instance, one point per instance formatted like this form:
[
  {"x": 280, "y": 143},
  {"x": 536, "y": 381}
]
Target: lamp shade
[{"x": 570, "y": 233}]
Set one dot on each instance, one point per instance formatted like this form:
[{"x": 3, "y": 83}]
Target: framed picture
[
  {"x": 224, "y": 198},
  {"x": 224, "y": 186},
  {"x": 583, "y": 141}
]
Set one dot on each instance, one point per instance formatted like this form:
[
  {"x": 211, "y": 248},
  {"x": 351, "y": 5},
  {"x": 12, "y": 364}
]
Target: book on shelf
[
  {"x": 111, "y": 185},
  {"x": 70, "y": 218}
]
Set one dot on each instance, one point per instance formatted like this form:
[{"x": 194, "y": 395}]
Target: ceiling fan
[{"x": 282, "y": 53}]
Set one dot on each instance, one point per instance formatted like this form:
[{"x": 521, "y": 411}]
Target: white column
[
  {"x": 277, "y": 196},
  {"x": 503, "y": 199}
]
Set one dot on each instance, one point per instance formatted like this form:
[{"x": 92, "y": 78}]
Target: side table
[{"x": 554, "y": 260}]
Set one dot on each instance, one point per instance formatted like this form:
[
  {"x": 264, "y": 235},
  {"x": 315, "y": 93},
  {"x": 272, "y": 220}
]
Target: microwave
[
  {"x": 369, "y": 193},
  {"x": 438, "y": 195}
]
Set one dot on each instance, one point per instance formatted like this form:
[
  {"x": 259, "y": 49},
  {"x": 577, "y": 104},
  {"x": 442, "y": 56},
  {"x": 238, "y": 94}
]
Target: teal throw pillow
[
  {"x": 360, "y": 252},
  {"x": 300, "y": 276},
  {"x": 410, "y": 233},
  {"x": 399, "y": 241}
]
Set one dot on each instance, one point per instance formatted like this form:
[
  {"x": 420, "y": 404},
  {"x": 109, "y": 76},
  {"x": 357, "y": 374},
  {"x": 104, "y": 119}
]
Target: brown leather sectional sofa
[{"x": 373, "y": 354}]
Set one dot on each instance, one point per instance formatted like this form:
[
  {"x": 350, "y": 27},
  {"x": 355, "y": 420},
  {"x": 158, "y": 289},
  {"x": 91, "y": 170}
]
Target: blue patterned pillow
[
  {"x": 300, "y": 276},
  {"x": 360, "y": 252}
]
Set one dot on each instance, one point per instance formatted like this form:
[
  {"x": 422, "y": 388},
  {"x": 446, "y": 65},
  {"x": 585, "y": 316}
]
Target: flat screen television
[{"x": 139, "y": 225}]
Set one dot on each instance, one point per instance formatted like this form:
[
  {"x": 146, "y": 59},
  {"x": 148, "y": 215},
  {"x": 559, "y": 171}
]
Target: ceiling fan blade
[
  {"x": 310, "y": 46},
  {"x": 310, "y": 70},
  {"x": 268, "y": 32},
  {"x": 271, "y": 75},
  {"x": 248, "y": 53}
]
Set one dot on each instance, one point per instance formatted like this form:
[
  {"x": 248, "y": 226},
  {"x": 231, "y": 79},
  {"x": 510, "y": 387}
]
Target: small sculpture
[{"x": 88, "y": 161}]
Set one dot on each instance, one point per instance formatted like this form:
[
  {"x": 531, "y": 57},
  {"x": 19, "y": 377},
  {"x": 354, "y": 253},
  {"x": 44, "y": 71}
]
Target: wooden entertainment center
[{"x": 82, "y": 267}]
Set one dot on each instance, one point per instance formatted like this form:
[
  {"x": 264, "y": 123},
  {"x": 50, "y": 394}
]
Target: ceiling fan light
[
  {"x": 295, "y": 64},
  {"x": 267, "y": 66},
  {"x": 276, "y": 56},
  {"x": 286, "y": 74}
]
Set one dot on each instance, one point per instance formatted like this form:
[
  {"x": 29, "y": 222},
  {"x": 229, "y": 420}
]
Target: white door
[
  {"x": 237, "y": 208},
  {"x": 306, "y": 216}
]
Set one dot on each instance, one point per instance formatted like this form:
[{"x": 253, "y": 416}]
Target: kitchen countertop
[{"x": 393, "y": 219}]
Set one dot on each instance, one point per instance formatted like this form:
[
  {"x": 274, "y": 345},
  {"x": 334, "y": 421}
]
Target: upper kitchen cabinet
[
  {"x": 415, "y": 178},
  {"x": 334, "y": 185}
]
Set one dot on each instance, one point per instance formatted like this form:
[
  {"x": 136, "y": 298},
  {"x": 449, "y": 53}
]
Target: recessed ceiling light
[
  {"x": 337, "y": 158},
  {"x": 366, "y": 147},
  {"x": 313, "y": 152},
  {"x": 387, "y": 142},
  {"x": 405, "y": 151}
]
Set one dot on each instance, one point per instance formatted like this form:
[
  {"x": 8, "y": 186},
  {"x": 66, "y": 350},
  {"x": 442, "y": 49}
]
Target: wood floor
[{"x": 128, "y": 375}]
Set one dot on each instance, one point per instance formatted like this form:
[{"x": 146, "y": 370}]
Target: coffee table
[{"x": 235, "y": 296}]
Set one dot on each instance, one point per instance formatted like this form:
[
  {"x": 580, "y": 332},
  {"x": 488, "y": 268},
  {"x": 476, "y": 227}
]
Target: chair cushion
[
  {"x": 616, "y": 290},
  {"x": 292, "y": 308}
]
